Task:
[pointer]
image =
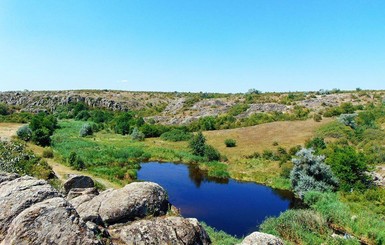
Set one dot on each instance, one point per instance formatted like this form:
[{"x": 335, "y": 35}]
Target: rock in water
[
  {"x": 53, "y": 221},
  {"x": 259, "y": 238},
  {"x": 168, "y": 230},
  {"x": 78, "y": 181}
]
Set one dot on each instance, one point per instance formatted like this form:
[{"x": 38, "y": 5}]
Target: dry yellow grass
[
  {"x": 258, "y": 138},
  {"x": 7, "y": 130}
]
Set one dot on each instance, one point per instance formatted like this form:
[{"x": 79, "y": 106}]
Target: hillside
[{"x": 183, "y": 108}]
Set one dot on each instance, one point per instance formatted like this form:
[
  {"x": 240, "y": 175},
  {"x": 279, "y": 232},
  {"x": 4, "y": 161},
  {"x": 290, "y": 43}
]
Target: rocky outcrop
[
  {"x": 53, "y": 221},
  {"x": 169, "y": 230},
  {"x": 76, "y": 192},
  {"x": 258, "y": 238},
  {"x": 78, "y": 181},
  {"x": 135, "y": 200},
  {"x": 32, "y": 212}
]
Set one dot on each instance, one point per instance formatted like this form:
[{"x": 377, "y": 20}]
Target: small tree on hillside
[
  {"x": 86, "y": 130},
  {"x": 137, "y": 135},
  {"x": 197, "y": 144},
  {"x": 310, "y": 173},
  {"x": 24, "y": 133}
]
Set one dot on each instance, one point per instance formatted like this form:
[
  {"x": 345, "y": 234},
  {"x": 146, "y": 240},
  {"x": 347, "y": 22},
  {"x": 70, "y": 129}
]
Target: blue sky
[{"x": 192, "y": 45}]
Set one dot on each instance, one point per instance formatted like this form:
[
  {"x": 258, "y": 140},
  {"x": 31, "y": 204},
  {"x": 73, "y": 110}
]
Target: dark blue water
[{"x": 237, "y": 208}]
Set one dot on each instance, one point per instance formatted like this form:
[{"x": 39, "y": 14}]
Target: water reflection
[
  {"x": 237, "y": 208},
  {"x": 198, "y": 176}
]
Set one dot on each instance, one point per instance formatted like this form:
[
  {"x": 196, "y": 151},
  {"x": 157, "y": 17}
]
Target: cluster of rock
[
  {"x": 49, "y": 101},
  {"x": 33, "y": 212}
]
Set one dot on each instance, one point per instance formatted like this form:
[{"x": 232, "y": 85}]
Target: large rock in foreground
[
  {"x": 259, "y": 238},
  {"x": 19, "y": 194},
  {"x": 136, "y": 200},
  {"x": 169, "y": 230},
  {"x": 32, "y": 212},
  {"x": 53, "y": 221}
]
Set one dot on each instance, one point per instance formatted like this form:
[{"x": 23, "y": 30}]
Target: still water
[{"x": 237, "y": 208}]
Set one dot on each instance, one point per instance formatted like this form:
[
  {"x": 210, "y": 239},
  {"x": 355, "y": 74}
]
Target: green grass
[
  {"x": 116, "y": 157},
  {"x": 220, "y": 237}
]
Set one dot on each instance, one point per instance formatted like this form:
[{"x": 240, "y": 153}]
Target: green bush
[
  {"x": 47, "y": 153},
  {"x": 24, "y": 133},
  {"x": 14, "y": 157},
  {"x": 75, "y": 161},
  {"x": 86, "y": 130},
  {"x": 211, "y": 153},
  {"x": 230, "y": 143},
  {"x": 176, "y": 135},
  {"x": 137, "y": 135},
  {"x": 41, "y": 137},
  {"x": 349, "y": 166},
  {"x": 317, "y": 117},
  {"x": 4, "y": 109},
  {"x": 197, "y": 144}
]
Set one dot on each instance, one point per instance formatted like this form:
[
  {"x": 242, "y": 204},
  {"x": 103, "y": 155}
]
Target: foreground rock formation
[{"x": 32, "y": 212}]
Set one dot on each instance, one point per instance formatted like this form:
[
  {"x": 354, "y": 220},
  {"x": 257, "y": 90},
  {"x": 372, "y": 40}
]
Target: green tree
[
  {"x": 197, "y": 144},
  {"x": 349, "y": 166}
]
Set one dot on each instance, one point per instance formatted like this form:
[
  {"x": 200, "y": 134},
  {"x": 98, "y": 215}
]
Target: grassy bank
[{"x": 115, "y": 157}]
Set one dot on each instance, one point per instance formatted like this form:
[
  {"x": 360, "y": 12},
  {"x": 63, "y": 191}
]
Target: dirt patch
[{"x": 7, "y": 130}]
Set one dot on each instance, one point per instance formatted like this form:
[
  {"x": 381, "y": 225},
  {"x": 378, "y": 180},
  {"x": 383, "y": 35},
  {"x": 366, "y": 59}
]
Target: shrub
[
  {"x": 348, "y": 120},
  {"x": 230, "y": 143},
  {"x": 24, "y": 133},
  {"x": 317, "y": 117},
  {"x": 75, "y": 161},
  {"x": 316, "y": 144},
  {"x": 4, "y": 110},
  {"x": 311, "y": 173},
  {"x": 197, "y": 144},
  {"x": 349, "y": 166},
  {"x": 211, "y": 153},
  {"x": 83, "y": 115},
  {"x": 14, "y": 157},
  {"x": 176, "y": 135},
  {"x": 137, "y": 135},
  {"x": 86, "y": 130},
  {"x": 47, "y": 153},
  {"x": 41, "y": 137}
]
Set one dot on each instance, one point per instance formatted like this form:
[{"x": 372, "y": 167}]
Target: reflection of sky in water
[{"x": 238, "y": 208}]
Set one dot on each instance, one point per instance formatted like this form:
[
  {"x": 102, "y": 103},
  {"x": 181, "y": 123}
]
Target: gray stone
[
  {"x": 78, "y": 181},
  {"x": 259, "y": 238},
  {"x": 53, "y": 221},
  {"x": 136, "y": 200},
  {"x": 75, "y": 192},
  {"x": 8, "y": 177},
  {"x": 19, "y": 194},
  {"x": 162, "y": 230}
]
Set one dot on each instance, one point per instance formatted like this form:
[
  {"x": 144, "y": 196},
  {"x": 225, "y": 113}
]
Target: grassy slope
[
  {"x": 102, "y": 146},
  {"x": 259, "y": 138}
]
